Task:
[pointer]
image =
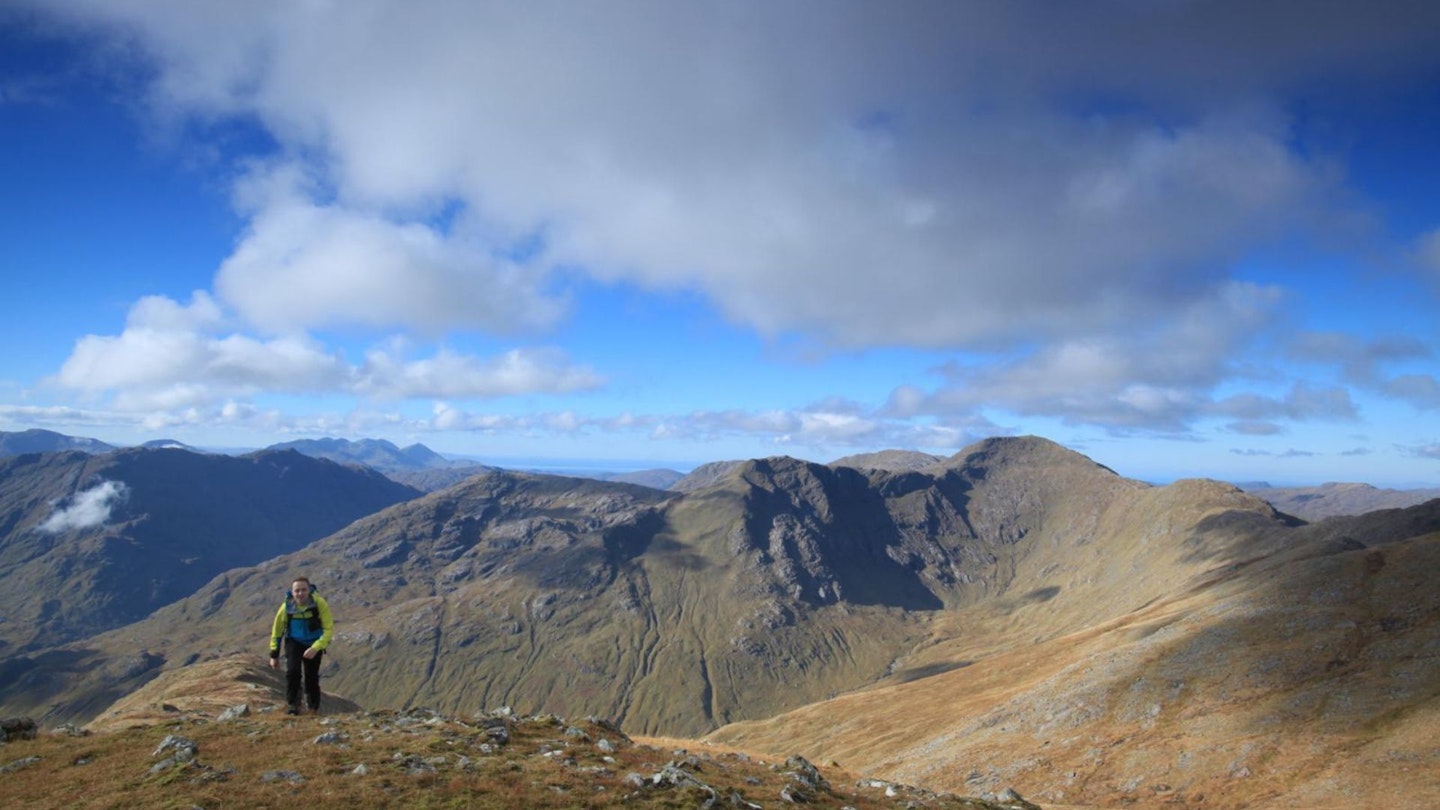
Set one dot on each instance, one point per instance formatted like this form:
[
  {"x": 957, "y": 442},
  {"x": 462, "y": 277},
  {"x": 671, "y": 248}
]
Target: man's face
[{"x": 301, "y": 589}]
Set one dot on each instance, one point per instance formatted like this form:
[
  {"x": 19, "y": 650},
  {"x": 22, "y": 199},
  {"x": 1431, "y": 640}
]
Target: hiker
[{"x": 305, "y": 626}]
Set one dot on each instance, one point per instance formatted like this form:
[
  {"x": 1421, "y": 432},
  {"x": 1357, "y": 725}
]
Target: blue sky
[{"x": 1186, "y": 239}]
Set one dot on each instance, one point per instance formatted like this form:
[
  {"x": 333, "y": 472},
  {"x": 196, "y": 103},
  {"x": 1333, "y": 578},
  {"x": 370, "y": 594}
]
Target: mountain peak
[
  {"x": 36, "y": 440},
  {"x": 379, "y": 454}
]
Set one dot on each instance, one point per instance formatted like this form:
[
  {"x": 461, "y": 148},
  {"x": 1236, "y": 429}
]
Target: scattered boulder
[
  {"x": 674, "y": 776},
  {"x": 800, "y": 770},
  {"x": 234, "y": 713},
  {"x": 183, "y": 752},
  {"x": 1011, "y": 800},
  {"x": 804, "y": 783},
  {"x": 24, "y": 762},
  {"x": 184, "y": 749},
  {"x": 17, "y": 728}
]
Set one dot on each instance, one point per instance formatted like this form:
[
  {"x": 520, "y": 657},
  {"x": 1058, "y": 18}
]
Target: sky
[{"x": 1187, "y": 239}]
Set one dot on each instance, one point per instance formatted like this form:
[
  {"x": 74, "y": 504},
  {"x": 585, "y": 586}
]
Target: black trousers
[{"x": 297, "y": 664}]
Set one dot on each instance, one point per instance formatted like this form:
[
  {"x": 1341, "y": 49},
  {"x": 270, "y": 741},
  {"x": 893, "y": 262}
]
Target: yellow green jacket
[{"x": 310, "y": 623}]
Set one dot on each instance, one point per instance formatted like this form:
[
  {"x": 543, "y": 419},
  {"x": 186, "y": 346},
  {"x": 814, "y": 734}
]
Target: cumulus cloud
[
  {"x": 1254, "y": 428},
  {"x": 87, "y": 509},
  {"x": 1369, "y": 364},
  {"x": 816, "y": 429},
  {"x": 304, "y": 265},
  {"x": 1153, "y": 377},
  {"x": 447, "y": 375},
  {"x": 1362, "y": 361},
  {"x": 169, "y": 359},
  {"x": 867, "y": 176},
  {"x": 1063, "y": 188},
  {"x": 1420, "y": 390},
  {"x": 1301, "y": 403}
]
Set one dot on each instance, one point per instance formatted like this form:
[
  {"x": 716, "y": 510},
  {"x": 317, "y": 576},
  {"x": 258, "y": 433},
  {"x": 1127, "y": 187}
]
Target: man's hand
[
  {"x": 274, "y": 663},
  {"x": 311, "y": 652}
]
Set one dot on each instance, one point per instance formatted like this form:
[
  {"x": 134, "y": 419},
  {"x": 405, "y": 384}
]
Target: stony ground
[{"x": 418, "y": 758}]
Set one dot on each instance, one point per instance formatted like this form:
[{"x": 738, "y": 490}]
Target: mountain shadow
[
  {"x": 778, "y": 584},
  {"x": 1262, "y": 662}
]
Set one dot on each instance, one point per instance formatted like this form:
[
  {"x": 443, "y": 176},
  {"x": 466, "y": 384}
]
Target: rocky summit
[{"x": 250, "y": 755}]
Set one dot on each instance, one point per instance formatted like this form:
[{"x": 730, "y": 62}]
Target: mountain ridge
[
  {"x": 89, "y": 542},
  {"x": 1087, "y": 638},
  {"x": 36, "y": 440},
  {"x": 829, "y": 575},
  {"x": 1336, "y": 499},
  {"x": 1163, "y": 704}
]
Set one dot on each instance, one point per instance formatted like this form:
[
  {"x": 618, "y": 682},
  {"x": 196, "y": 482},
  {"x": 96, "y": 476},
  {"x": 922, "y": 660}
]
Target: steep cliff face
[{"x": 1221, "y": 658}]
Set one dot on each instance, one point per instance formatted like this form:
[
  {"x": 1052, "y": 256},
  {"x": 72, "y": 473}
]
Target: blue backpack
[{"x": 303, "y": 623}]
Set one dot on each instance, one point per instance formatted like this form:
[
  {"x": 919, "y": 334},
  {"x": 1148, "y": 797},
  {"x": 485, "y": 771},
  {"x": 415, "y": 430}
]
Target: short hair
[{"x": 305, "y": 580}]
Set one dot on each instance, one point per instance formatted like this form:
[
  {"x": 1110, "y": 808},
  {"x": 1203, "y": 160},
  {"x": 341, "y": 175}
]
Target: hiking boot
[{"x": 292, "y": 710}]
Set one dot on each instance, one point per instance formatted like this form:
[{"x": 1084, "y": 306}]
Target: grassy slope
[
  {"x": 1306, "y": 679},
  {"x": 411, "y": 759}
]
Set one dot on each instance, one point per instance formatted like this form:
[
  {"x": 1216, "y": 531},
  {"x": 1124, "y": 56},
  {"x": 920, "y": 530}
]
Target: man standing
[{"x": 305, "y": 626}]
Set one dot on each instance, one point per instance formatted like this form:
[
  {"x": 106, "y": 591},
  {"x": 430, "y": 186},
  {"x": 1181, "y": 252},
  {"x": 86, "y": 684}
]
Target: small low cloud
[
  {"x": 1428, "y": 251},
  {"x": 86, "y": 509},
  {"x": 1255, "y": 428},
  {"x": 1291, "y": 453},
  {"x": 829, "y": 427}
]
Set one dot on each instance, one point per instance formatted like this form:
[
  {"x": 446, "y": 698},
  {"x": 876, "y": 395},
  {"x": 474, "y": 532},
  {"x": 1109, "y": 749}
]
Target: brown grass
[
  {"x": 1301, "y": 682},
  {"x": 411, "y": 760}
]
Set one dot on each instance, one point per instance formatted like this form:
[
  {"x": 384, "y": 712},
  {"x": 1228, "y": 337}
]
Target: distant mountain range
[
  {"x": 1334, "y": 499},
  {"x": 1017, "y": 608},
  {"x": 376, "y": 453},
  {"x": 47, "y": 441},
  {"x": 424, "y": 469},
  {"x": 415, "y": 465}
]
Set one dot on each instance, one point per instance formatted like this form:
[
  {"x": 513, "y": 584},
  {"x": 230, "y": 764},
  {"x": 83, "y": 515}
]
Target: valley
[{"x": 1015, "y": 616}]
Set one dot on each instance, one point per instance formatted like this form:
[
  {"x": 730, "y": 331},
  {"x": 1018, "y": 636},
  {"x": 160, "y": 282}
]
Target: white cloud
[
  {"x": 56, "y": 416},
  {"x": 302, "y": 265},
  {"x": 170, "y": 357},
  {"x": 1369, "y": 364},
  {"x": 86, "y": 509},
  {"x": 1065, "y": 189},
  {"x": 161, "y": 314},
  {"x": 450, "y": 375},
  {"x": 869, "y": 176},
  {"x": 162, "y": 368},
  {"x": 820, "y": 432},
  {"x": 1152, "y": 377},
  {"x": 1362, "y": 360},
  {"x": 1301, "y": 403}
]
